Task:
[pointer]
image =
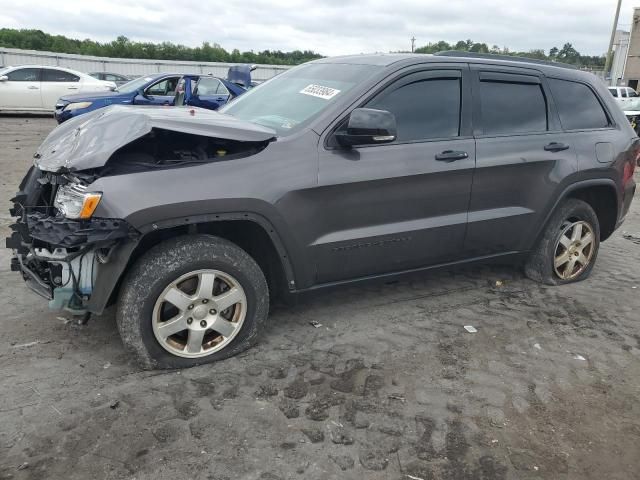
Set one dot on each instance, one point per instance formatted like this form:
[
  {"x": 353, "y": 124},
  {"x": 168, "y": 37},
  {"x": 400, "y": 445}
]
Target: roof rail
[{"x": 491, "y": 56}]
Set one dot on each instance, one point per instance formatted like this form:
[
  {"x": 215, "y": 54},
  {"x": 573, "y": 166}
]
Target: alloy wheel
[
  {"x": 200, "y": 313},
  {"x": 574, "y": 249}
]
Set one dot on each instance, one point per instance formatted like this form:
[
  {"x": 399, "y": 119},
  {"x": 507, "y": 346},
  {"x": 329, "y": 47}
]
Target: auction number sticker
[{"x": 319, "y": 91}]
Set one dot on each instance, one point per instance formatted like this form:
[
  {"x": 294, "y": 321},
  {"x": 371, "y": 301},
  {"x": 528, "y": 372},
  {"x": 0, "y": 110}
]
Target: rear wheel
[
  {"x": 192, "y": 300},
  {"x": 569, "y": 246}
]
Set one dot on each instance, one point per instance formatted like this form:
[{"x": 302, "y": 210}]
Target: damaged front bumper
[{"x": 61, "y": 259}]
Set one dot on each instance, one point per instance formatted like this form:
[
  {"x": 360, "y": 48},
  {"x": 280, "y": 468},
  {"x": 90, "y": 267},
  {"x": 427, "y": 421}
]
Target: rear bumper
[{"x": 627, "y": 198}]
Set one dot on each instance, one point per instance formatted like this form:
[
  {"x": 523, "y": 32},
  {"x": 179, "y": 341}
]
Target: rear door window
[
  {"x": 222, "y": 90},
  {"x": 512, "y": 106},
  {"x": 51, "y": 75},
  {"x": 578, "y": 106},
  {"x": 208, "y": 86}
]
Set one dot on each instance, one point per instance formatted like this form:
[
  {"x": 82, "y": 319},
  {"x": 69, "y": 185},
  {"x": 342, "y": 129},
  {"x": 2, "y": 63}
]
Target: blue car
[
  {"x": 158, "y": 89},
  {"x": 207, "y": 91}
]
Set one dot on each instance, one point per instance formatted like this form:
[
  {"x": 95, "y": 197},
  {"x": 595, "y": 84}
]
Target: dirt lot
[{"x": 390, "y": 387}]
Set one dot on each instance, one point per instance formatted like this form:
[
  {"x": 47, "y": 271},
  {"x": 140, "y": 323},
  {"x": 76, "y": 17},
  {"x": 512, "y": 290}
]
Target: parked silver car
[{"x": 116, "y": 78}]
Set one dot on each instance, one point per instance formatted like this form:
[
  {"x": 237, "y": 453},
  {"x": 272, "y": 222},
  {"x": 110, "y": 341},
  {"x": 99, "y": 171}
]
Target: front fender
[
  {"x": 285, "y": 249},
  {"x": 109, "y": 274}
]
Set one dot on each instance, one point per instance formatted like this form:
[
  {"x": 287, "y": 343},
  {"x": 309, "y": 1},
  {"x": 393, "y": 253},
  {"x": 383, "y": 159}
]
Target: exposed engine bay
[
  {"x": 90, "y": 141},
  {"x": 162, "y": 149}
]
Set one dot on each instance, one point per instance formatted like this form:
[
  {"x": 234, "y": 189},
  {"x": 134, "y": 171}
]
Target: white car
[
  {"x": 36, "y": 88},
  {"x": 627, "y": 98},
  {"x": 629, "y": 102}
]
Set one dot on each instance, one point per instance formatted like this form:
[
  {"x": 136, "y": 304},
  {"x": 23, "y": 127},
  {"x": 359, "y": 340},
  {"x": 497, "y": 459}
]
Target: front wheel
[
  {"x": 192, "y": 300},
  {"x": 569, "y": 246}
]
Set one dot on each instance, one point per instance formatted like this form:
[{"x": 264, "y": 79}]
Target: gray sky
[{"x": 330, "y": 27}]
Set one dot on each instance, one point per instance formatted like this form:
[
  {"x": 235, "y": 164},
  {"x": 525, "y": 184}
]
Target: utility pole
[
  {"x": 413, "y": 44},
  {"x": 607, "y": 65}
]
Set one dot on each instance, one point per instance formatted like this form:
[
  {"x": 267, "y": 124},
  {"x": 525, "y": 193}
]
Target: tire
[
  {"x": 540, "y": 265},
  {"x": 156, "y": 276}
]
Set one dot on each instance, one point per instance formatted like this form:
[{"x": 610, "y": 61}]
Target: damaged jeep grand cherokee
[{"x": 337, "y": 171}]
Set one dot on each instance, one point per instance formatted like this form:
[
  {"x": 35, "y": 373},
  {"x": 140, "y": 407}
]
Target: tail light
[{"x": 630, "y": 167}]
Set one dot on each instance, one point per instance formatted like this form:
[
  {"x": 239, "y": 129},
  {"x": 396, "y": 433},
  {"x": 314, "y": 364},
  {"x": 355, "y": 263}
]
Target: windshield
[
  {"x": 293, "y": 98},
  {"x": 134, "y": 85}
]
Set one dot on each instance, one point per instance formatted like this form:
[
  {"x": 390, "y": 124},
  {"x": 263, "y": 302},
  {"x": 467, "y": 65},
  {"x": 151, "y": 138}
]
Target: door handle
[
  {"x": 33, "y": 88},
  {"x": 72, "y": 88},
  {"x": 556, "y": 147},
  {"x": 451, "y": 156}
]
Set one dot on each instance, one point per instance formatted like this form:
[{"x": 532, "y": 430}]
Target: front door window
[{"x": 163, "y": 87}]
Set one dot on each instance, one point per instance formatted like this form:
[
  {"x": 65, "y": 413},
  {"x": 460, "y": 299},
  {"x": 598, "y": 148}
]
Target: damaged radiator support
[
  {"x": 73, "y": 233},
  {"x": 73, "y": 277},
  {"x": 58, "y": 257},
  {"x": 64, "y": 268}
]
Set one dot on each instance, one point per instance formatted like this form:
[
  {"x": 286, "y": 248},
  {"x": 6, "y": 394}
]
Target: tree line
[
  {"x": 566, "y": 54},
  {"x": 123, "y": 47}
]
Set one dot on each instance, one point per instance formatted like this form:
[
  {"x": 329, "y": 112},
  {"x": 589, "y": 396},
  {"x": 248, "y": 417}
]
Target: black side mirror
[
  {"x": 368, "y": 126},
  {"x": 142, "y": 93}
]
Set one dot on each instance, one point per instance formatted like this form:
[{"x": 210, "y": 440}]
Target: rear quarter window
[{"x": 578, "y": 106}]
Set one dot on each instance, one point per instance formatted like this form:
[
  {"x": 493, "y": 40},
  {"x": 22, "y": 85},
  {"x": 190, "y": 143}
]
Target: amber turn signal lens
[{"x": 91, "y": 201}]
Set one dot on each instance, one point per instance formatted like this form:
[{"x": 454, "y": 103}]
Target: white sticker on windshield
[{"x": 319, "y": 91}]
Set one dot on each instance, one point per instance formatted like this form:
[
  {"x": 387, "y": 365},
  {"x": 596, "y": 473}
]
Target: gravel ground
[{"x": 389, "y": 387}]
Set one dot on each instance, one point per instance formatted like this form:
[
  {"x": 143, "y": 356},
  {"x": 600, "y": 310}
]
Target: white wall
[{"x": 126, "y": 66}]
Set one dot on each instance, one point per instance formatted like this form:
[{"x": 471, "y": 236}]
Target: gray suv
[{"x": 337, "y": 171}]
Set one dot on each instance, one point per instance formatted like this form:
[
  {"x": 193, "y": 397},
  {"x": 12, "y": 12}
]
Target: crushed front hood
[{"x": 89, "y": 140}]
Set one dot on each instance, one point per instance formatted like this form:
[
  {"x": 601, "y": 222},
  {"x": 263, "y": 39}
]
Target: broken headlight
[{"x": 73, "y": 201}]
